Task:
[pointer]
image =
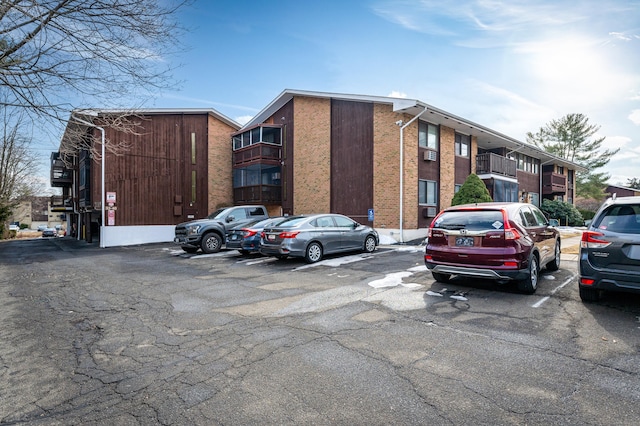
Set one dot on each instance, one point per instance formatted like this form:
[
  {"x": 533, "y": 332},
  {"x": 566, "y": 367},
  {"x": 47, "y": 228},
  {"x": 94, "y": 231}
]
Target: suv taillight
[
  {"x": 591, "y": 240},
  {"x": 511, "y": 234}
]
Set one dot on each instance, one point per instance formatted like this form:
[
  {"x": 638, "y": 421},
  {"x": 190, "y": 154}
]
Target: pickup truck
[{"x": 208, "y": 234}]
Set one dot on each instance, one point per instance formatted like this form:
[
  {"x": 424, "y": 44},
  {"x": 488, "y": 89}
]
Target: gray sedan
[{"x": 314, "y": 236}]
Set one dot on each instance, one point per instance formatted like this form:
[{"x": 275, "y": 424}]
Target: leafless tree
[
  {"x": 17, "y": 164},
  {"x": 60, "y": 55}
]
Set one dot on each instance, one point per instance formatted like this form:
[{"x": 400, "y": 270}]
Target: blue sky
[{"x": 509, "y": 65}]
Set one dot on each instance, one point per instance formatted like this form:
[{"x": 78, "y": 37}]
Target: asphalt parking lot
[{"x": 151, "y": 335}]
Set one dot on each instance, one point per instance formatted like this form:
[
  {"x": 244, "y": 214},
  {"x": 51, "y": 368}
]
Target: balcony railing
[
  {"x": 258, "y": 194},
  {"x": 260, "y": 151},
  {"x": 60, "y": 175},
  {"x": 490, "y": 163},
  {"x": 553, "y": 183},
  {"x": 61, "y": 203}
]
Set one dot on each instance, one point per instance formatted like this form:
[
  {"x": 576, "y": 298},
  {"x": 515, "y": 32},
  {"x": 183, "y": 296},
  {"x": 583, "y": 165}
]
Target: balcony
[
  {"x": 490, "y": 163},
  {"x": 60, "y": 203},
  {"x": 258, "y": 194},
  {"x": 258, "y": 152},
  {"x": 553, "y": 183},
  {"x": 61, "y": 176}
]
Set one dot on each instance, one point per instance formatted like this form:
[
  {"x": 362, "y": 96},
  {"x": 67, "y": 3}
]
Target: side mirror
[{"x": 230, "y": 219}]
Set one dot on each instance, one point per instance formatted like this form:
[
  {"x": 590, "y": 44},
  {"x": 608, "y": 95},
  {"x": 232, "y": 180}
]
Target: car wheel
[
  {"x": 190, "y": 249},
  {"x": 530, "y": 284},
  {"x": 370, "y": 244},
  {"x": 211, "y": 243},
  {"x": 313, "y": 253},
  {"x": 589, "y": 294},
  {"x": 443, "y": 278},
  {"x": 554, "y": 265}
]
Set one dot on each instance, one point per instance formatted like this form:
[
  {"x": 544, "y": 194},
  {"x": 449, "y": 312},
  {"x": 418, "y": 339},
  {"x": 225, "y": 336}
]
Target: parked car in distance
[
  {"x": 49, "y": 232},
  {"x": 505, "y": 242},
  {"x": 14, "y": 227},
  {"x": 314, "y": 236},
  {"x": 42, "y": 228},
  {"x": 610, "y": 250},
  {"x": 246, "y": 238}
]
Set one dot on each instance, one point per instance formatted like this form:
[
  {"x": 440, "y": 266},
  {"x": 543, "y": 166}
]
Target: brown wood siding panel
[
  {"x": 156, "y": 168},
  {"x": 463, "y": 169},
  {"x": 352, "y": 158},
  {"x": 428, "y": 170},
  {"x": 528, "y": 182}
]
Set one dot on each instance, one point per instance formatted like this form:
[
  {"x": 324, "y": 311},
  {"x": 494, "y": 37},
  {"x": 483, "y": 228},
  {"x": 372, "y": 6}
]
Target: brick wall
[
  {"x": 220, "y": 180},
  {"x": 312, "y": 155},
  {"x": 447, "y": 171}
]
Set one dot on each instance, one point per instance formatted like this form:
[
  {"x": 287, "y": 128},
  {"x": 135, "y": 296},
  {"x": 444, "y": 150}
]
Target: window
[
  {"x": 193, "y": 148},
  {"x": 456, "y": 187},
  {"x": 534, "y": 198},
  {"x": 505, "y": 191},
  {"x": 427, "y": 192},
  {"x": 428, "y": 135},
  {"x": 257, "y": 174},
  {"x": 344, "y": 222},
  {"x": 193, "y": 186},
  {"x": 462, "y": 145},
  {"x": 262, "y": 134},
  {"x": 257, "y": 211}
]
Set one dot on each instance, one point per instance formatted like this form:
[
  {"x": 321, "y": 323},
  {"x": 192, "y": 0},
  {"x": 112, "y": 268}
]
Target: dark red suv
[{"x": 499, "y": 241}]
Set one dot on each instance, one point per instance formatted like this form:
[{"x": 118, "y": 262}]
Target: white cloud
[
  {"x": 396, "y": 94},
  {"x": 635, "y": 117},
  {"x": 243, "y": 119}
]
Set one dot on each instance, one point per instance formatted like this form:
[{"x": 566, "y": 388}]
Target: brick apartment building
[
  {"x": 389, "y": 162},
  {"x": 400, "y": 160}
]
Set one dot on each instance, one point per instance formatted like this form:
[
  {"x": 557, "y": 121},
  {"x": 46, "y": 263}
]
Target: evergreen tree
[
  {"x": 571, "y": 138},
  {"x": 472, "y": 191},
  {"x": 633, "y": 183}
]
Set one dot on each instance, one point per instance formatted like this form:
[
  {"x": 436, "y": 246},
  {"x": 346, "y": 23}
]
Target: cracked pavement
[{"x": 141, "y": 335}]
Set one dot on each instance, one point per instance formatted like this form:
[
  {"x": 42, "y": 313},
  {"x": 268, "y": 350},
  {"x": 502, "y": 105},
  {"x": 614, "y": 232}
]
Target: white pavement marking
[{"x": 544, "y": 299}]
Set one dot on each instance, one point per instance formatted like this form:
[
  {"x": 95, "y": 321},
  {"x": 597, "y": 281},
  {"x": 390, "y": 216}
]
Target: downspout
[
  {"x": 402, "y": 127},
  {"x": 102, "y": 177}
]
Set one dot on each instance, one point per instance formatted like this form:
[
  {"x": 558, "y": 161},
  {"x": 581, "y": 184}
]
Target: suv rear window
[
  {"x": 620, "y": 218},
  {"x": 474, "y": 220}
]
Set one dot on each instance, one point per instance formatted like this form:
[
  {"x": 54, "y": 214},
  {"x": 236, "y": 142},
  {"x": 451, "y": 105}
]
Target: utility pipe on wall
[{"x": 402, "y": 127}]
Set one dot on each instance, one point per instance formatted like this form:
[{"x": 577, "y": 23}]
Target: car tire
[
  {"x": 369, "y": 244},
  {"x": 211, "y": 243},
  {"x": 530, "y": 284},
  {"x": 190, "y": 249},
  {"x": 588, "y": 294},
  {"x": 440, "y": 277},
  {"x": 313, "y": 253},
  {"x": 554, "y": 265}
]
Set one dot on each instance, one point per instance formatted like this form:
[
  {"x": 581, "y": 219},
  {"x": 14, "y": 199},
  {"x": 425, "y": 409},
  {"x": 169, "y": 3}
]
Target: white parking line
[{"x": 544, "y": 299}]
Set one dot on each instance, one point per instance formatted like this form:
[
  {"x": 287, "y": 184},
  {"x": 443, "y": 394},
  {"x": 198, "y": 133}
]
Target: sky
[{"x": 512, "y": 66}]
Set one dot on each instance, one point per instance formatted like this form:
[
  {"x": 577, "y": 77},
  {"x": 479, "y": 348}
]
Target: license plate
[
  {"x": 271, "y": 237},
  {"x": 464, "y": 241}
]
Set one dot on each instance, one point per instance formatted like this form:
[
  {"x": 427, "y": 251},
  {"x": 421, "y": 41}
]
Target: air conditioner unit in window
[{"x": 430, "y": 155}]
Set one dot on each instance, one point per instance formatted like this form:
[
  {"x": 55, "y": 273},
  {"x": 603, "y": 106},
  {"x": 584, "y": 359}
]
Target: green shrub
[
  {"x": 566, "y": 213},
  {"x": 472, "y": 191}
]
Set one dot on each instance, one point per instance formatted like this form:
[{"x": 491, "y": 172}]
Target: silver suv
[{"x": 610, "y": 250}]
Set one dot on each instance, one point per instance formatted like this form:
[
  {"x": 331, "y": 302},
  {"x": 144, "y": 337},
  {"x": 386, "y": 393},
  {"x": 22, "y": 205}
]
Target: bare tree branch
[{"x": 100, "y": 51}]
